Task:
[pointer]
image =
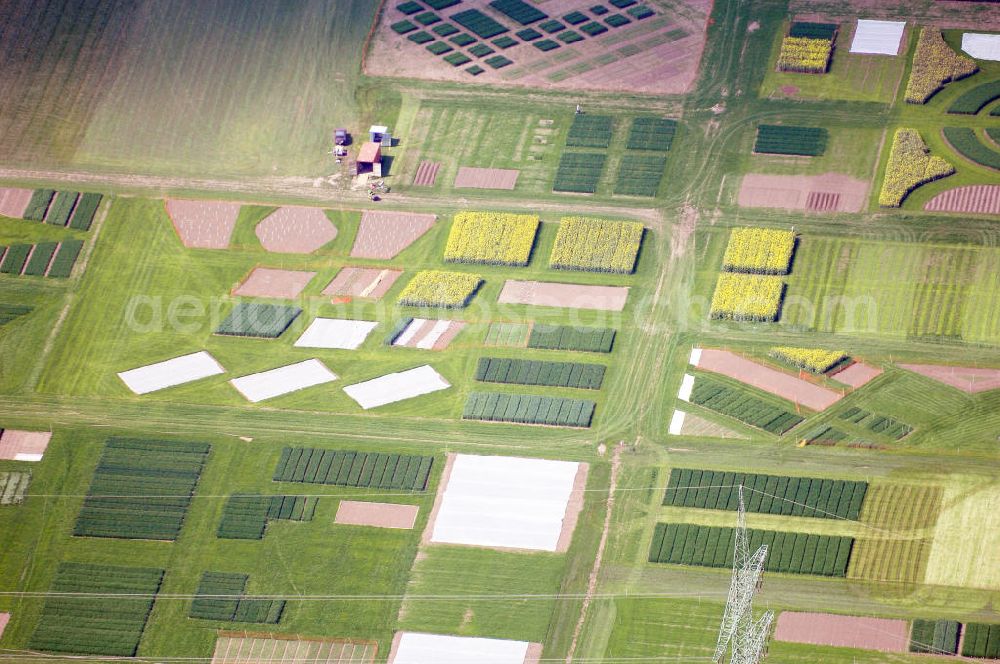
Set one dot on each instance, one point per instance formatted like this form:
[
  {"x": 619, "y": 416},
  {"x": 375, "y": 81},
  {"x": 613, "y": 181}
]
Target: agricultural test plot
[
  {"x": 245, "y": 516},
  {"x": 856, "y": 374},
  {"x": 13, "y": 202},
  {"x": 491, "y": 238},
  {"x": 18, "y": 445},
  {"x": 956, "y": 559},
  {"x": 366, "y": 470},
  {"x": 779, "y": 383},
  {"x": 13, "y": 486},
  {"x": 397, "y": 386},
  {"x": 596, "y": 245},
  {"x": 828, "y": 629},
  {"x": 242, "y": 648},
  {"x": 283, "y": 380},
  {"x": 486, "y": 178},
  {"x": 568, "y": 45},
  {"x": 972, "y": 199},
  {"x": 878, "y": 37},
  {"x": 172, "y": 372},
  {"x": 295, "y": 230},
  {"x": 258, "y": 320},
  {"x": 383, "y": 235},
  {"x": 416, "y": 648},
  {"x": 683, "y": 423},
  {"x": 203, "y": 224},
  {"x": 508, "y": 503},
  {"x": 971, "y": 380},
  {"x": 220, "y": 597},
  {"x": 336, "y": 333},
  {"x": 572, "y": 296},
  {"x": 830, "y": 192},
  {"x": 4, "y": 619},
  {"x": 274, "y": 283},
  {"x": 377, "y": 515},
  {"x": 366, "y": 282},
  {"x": 428, "y": 334}
]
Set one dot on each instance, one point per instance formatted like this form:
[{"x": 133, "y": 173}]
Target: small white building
[{"x": 380, "y": 134}]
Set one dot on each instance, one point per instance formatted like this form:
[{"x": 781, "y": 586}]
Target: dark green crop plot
[
  {"x": 976, "y": 99},
  {"x": 640, "y": 175},
  {"x": 535, "y": 372},
  {"x": 579, "y": 172},
  {"x": 551, "y": 26},
  {"x": 787, "y": 139},
  {"x": 421, "y": 37},
  {"x": 589, "y": 131},
  {"x": 39, "y": 204},
  {"x": 475, "y": 70},
  {"x": 479, "y": 23},
  {"x": 935, "y": 637},
  {"x": 83, "y": 215},
  {"x": 255, "y": 319},
  {"x": 62, "y": 264},
  {"x": 649, "y": 133},
  {"x": 9, "y": 312},
  {"x": 40, "y": 258},
  {"x": 640, "y": 12},
  {"x": 575, "y": 18},
  {"x": 546, "y": 45},
  {"x": 61, "y": 208},
  {"x": 599, "y": 10},
  {"x": 439, "y": 48},
  {"x": 528, "y": 409},
  {"x": 403, "y": 27},
  {"x": 444, "y": 30},
  {"x": 427, "y": 18},
  {"x": 569, "y": 37},
  {"x": 455, "y": 60},
  {"x": 410, "y": 7},
  {"x": 826, "y": 436},
  {"x": 481, "y": 50},
  {"x": 793, "y": 553},
  {"x": 219, "y": 597},
  {"x": 141, "y": 489},
  {"x": 14, "y": 258},
  {"x": 743, "y": 406},
  {"x": 622, "y": 4},
  {"x": 766, "y": 494},
  {"x": 966, "y": 143},
  {"x": 245, "y": 516},
  {"x": 567, "y": 337},
  {"x": 519, "y": 10},
  {"x": 593, "y": 28},
  {"x": 888, "y": 426},
  {"x": 97, "y": 621},
  {"x": 617, "y": 20},
  {"x": 361, "y": 469},
  {"x": 505, "y": 42},
  {"x": 498, "y": 62},
  {"x": 441, "y": 4},
  {"x": 811, "y": 30},
  {"x": 462, "y": 40},
  {"x": 981, "y": 640},
  {"x": 528, "y": 34}
]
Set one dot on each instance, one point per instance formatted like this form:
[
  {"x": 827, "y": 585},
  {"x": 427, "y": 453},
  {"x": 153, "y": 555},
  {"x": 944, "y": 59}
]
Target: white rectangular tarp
[
  {"x": 179, "y": 370},
  {"x": 338, "y": 333},
  {"x": 676, "y": 423},
  {"x": 877, "y": 37},
  {"x": 397, "y": 387},
  {"x": 687, "y": 386},
  {"x": 414, "y": 648},
  {"x": 981, "y": 46},
  {"x": 291, "y": 378},
  {"x": 505, "y": 502}
]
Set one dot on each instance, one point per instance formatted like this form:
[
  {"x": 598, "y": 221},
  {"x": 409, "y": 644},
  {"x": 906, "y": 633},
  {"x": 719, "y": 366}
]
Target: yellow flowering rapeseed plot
[
  {"x": 437, "y": 288},
  {"x": 910, "y": 165},
  {"x": 804, "y": 54},
  {"x": 596, "y": 245},
  {"x": 815, "y": 360},
  {"x": 494, "y": 238},
  {"x": 934, "y": 64},
  {"x": 747, "y": 297},
  {"x": 759, "y": 251}
]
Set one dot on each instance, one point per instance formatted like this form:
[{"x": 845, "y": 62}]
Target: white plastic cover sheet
[
  {"x": 179, "y": 370},
  {"x": 291, "y": 378},
  {"x": 337, "y": 333},
  {"x": 676, "y": 423},
  {"x": 397, "y": 387},
  {"x": 980, "y": 46},
  {"x": 877, "y": 37},
  {"x": 417, "y": 648}
]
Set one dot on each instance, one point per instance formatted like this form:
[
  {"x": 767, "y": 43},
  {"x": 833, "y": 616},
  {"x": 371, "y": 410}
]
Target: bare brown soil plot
[
  {"x": 271, "y": 282},
  {"x": 13, "y": 202},
  {"x": 695, "y": 425},
  {"x": 830, "y": 192},
  {"x": 370, "y": 282},
  {"x": 828, "y": 629},
  {"x": 486, "y": 178},
  {"x": 974, "y": 199},
  {"x": 384, "y": 234},
  {"x": 858, "y": 374},
  {"x": 295, "y": 230},
  {"x": 17, "y": 445},
  {"x": 379, "y": 515},
  {"x": 971, "y": 380},
  {"x": 796, "y": 390},
  {"x": 249, "y": 648},
  {"x": 573, "y": 508},
  {"x": 573, "y": 296},
  {"x": 203, "y": 224},
  {"x": 427, "y": 173},
  {"x": 657, "y": 55},
  {"x": 4, "y": 619}
]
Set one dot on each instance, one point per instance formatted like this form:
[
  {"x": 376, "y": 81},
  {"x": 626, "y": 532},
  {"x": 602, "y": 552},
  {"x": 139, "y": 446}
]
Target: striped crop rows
[
  {"x": 218, "y": 598},
  {"x": 245, "y": 516},
  {"x": 535, "y": 372},
  {"x": 528, "y": 409},
  {"x": 743, "y": 406},
  {"x": 360, "y": 469}
]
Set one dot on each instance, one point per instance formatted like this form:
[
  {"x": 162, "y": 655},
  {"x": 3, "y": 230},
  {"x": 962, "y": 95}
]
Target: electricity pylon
[{"x": 741, "y": 637}]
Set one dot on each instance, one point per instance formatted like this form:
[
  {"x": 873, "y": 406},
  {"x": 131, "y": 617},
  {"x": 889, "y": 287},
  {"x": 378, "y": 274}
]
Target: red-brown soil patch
[
  {"x": 968, "y": 379},
  {"x": 13, "y": 202},
  {"x": 271, "y": 282},
  {"x": 827, "y": 629},
  {"x": 417, "y": 333},
  {"x": 830, "y": 192},
  {"x": 486, "y": 178},
  {"x": 384, "y": 234},
  {"x": 445, "y": 339},
  {"x": 203, "y": 224},
  {"x": 573, "y": 296},
  {"x": 573, "y": 508},
  {"x": 13, "y": 443},
  {"x": 534, "y": 654},
  {"x": 425, "y": 538},
  {"x": 657, "y": 55},
  {"x": 858, "y": 374},
  {"x": 379, "y": 515},
  {"x": 789, "y": 90},
  {"x": 974, "y": 199},
  {"x": 427, "y": 173},
  {"x": 295, "y": 230},
  {"x": 765, "y": 378},
  {"x": 4, "y": 619},
  {"x": 370, "y": 282}
]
